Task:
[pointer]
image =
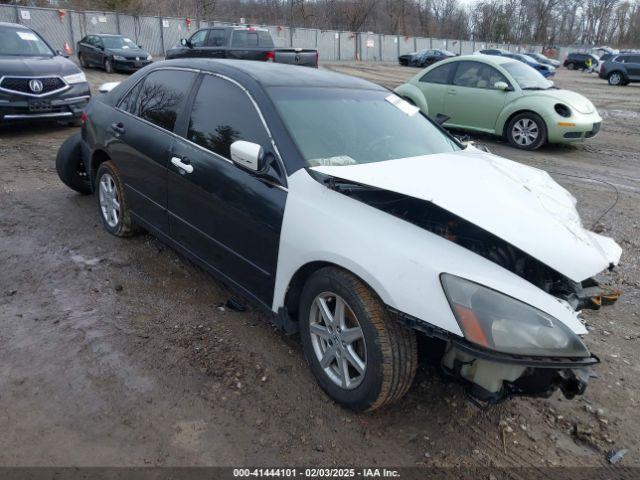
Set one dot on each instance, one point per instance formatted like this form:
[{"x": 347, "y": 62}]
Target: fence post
[
  {"x": 118, "y": 22},
  {"x": 72, "y": 43},
  {"x": 430, "y": 42},
  {"x": 398, "y": 45},
  {"x": 17, "y": 12},
  {"x": 339, "y": 41},
  {"x": 164, "y": 52},
  {"x": 415, "y": 44}
]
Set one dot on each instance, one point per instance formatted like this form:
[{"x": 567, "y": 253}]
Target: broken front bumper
[{"x": 492, "y": 377}]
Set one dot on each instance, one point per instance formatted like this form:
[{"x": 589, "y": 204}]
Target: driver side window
[
  {"x": 198, "y": 38},
  {"x": 477, "y": 75}
]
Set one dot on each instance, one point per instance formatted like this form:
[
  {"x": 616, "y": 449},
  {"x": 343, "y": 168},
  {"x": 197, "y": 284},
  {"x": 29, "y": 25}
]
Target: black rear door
[
  {"x": 633, "y": 67},
  {"x": 139, "y": 139},
  {"x": 226, "y": 216}
]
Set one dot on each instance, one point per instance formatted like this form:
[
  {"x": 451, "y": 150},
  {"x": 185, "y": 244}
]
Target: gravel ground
[{"x": 120, "y": 352}]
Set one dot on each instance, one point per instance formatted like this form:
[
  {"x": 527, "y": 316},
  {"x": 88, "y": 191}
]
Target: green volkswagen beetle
[{"x": 501, "y": 96}]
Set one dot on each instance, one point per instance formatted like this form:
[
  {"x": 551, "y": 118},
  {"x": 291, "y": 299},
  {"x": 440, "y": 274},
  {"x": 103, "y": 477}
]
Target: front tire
[
  {"x": 527, "y": 131},
  {"x": 82, "y": 61},
  {"x": 615, "y": 79},
  {"x": 571, "y": 66},
  {"x": 70, "y": 166},
  {"x": 112, "y": 203},
  {"x": 361, "y": 357},
  {"x": 108, "y": 65}
]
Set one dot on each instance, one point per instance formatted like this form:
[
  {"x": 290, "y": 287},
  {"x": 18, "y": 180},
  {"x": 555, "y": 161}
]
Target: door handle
[
  {"x": 118, "y": 128},
  {"x": 451, "y": 91},
  {"x": 182, "y": 164}
]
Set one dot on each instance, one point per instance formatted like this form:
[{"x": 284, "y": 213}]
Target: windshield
[
  {"x": 22, "y": 42},
  {"x": 333, "y": 126},
  {"x": 527, "y": 77},
  {"x": 118, "y": 42},
  {"x": 448, "y": 53}
]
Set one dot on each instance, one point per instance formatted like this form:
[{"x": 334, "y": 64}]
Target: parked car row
[{"x": 425, "y": 248}]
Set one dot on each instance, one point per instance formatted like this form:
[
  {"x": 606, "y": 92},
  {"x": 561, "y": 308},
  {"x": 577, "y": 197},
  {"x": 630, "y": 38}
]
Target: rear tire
[
  {"x": 526, "y": 131},
  {"x": 571, "y": 66},
  {"x": 385, "y": 351},
  {"x": 112, "y": 203},
  {"x": 70, "y": 166}
]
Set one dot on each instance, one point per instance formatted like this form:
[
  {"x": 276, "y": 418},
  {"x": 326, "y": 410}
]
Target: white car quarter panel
[{"x": 398, "y": 260}]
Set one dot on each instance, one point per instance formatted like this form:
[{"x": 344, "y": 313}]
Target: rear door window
[
  {"x": 438, "y": 75},
  {"x": 216, "y": 38},
  {"x": 162, "y": 97},
  {"x": 244, "y": 38}
]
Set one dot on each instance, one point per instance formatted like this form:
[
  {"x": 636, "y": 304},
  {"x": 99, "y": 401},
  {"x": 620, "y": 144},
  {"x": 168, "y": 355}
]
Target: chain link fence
[{"x": 64, "y": 28}]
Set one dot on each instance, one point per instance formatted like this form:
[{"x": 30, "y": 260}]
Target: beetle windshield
[
  {"x": 527, "y": 77},
  {"x": 22, "y": 42},
  {"x": 118, "y": 42},
  {"x": 333, "y": 126}
]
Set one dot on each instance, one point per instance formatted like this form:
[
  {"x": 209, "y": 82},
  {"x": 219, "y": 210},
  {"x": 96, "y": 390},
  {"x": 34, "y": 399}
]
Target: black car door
[
  {"x": 225, "y": 216},
  {"x": 139, "y": 140}
]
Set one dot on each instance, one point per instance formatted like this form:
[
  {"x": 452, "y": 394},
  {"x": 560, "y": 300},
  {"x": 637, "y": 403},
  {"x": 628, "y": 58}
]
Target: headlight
[
  {"x": 118, "y": 57},
  {"x": 562, "y": 110},
  {"x": 502, "y": 323},
  {"x": 149, "y": 57},
  {"x": 75, "y": 78}
]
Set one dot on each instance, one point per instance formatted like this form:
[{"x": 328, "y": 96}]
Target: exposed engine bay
[{"x": 588, "y": 294}]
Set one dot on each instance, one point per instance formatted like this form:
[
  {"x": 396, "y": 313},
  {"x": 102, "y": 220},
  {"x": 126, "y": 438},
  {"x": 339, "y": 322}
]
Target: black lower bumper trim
[{"x": 536, "y": 362}]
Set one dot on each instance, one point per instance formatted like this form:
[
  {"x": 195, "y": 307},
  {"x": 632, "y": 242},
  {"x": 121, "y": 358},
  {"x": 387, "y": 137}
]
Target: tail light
[
  {"x": 317, "y": 58},
  {"x": 270, "y": 57},
  {"x": 83, "y": 118},
  {"x": 602, "y": 67}
]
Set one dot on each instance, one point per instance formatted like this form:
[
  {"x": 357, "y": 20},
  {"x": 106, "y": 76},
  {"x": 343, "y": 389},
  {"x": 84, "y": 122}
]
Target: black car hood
[
  {"x": 129, "y": 52},
  {"x": 36, "y": 66}
]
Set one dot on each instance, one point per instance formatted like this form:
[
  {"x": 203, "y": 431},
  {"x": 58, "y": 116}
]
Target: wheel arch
[
  {"x": 505, "y": 118},
  {"x": 98, "y": 157},
  {"x": 300, "y": 277}
]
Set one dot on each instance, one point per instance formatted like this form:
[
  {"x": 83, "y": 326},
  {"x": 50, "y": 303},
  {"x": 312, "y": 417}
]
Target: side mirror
[
  {"x": 248, "y": 155},
  {"x": 185, "y": 43},
  {"x": 61, "y": 54},
  {"x": 139, "y": 46},
  {"x": 107, "y": 87},
  {"x": 504, "y": 86},
  {"x": 441, "y": 119}
]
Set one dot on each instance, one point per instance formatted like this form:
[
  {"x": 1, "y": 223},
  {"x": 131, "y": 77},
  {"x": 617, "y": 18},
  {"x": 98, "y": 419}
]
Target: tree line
[{"x": 547, "y": 22}]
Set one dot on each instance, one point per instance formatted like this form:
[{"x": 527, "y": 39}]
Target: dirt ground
[{"x": 120, "y": 352}]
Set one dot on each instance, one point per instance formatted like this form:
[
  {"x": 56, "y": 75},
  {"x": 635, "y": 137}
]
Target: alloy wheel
[
  {"x": 615, "y": 79},
  {"x": 338, "y": 340},
  {"x": 525, "y": 132},
  {"x": 109, "y": 200}
]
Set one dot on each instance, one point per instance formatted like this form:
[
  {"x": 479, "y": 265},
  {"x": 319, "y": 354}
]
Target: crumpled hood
[
  {"x": 36, "y": 66},
  {"x": 574, "y": 100},
  {"x": 518, "y": 203}
]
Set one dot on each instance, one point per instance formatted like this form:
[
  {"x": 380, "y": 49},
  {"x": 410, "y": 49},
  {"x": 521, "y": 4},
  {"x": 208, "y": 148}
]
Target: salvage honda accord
[{"x": 354, "y": 220}]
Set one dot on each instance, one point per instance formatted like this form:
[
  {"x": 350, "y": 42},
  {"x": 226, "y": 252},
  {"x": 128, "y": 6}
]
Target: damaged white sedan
[{"x": 357, "y": 222}]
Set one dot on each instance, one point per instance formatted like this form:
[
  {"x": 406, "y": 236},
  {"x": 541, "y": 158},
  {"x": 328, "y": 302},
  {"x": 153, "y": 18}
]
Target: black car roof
[
  {"x": 14, "y": 25},
  {"x": 103, "y": 35},
  {"x": 274, "y": 74}
]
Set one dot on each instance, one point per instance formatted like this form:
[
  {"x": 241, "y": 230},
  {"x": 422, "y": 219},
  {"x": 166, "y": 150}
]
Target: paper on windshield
[
  {"x": 332, "y": 161},
  {"x": 402, "y": 105},
  {"x": 27, "y": 36}
]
